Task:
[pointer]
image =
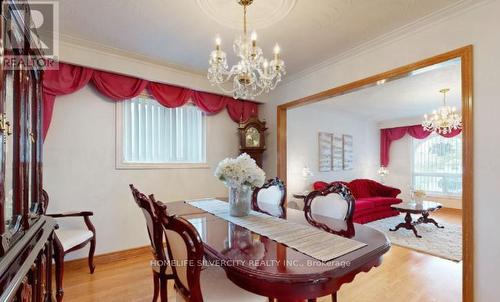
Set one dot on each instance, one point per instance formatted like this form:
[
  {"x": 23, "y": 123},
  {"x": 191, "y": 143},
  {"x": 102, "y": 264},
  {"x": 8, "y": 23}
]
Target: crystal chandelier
[
  {"x": 253, "y": 74},
  {"x": 443, "y": 120}
]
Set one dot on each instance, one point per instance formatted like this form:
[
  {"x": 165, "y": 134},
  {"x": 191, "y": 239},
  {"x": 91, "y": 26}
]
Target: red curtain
[
  {"x": 66, "y": 80},
  {"x": 210, "y": 103},
  {"x": 70, "y": 78},
  {"x": 241, "y": 110},
  {"x": 170, "y": 96},
  {"x": 417, "y": 131},
  {"x": 118, "y": 87},
  {"x": 388, "y": 135}
]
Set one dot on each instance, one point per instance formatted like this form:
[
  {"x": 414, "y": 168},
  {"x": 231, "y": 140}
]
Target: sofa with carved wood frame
[{"x": 373, "y": 199}]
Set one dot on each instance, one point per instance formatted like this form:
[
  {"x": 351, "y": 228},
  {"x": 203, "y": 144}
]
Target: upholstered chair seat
[{"x": 70, "y": 238}]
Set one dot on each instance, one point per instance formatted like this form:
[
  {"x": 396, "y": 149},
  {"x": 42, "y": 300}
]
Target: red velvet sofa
[{"x": 373, "y": 199}]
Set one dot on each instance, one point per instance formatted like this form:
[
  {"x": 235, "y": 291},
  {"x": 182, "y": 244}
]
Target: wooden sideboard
[{"x": 26, "y": 235}]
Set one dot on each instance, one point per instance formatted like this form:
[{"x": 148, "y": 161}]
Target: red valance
[
  {"x": 118, "y": 87},
  {"x": 66, "y": 80},
  {"x": 209, "y": 102},
  {"x": 241, "y": 110},
  {"x": 70, "y": 78},
  {"x": 388, "y": 135},
  {"x": 170, "y": 96}
]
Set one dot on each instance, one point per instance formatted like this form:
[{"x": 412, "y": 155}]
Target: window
[
  {"x": 151, "y": 135},
  {"x": 437, "y": 165}
]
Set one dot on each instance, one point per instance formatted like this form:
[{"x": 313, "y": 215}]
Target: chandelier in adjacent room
[
  {"x": 443, "y": 120},
  {"x": 253, "y": 74}
]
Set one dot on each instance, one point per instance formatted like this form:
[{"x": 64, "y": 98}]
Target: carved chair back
[
  {"x": 335, "y": 201},
  {"x": 152, "y": 223},
  {"x": 45, "y": 201},
  {"x": 270, "y": 198},
  {"x": 185, "y": 248}
]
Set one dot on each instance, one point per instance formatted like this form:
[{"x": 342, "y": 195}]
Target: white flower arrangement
[{"x": 240, "y": 171}]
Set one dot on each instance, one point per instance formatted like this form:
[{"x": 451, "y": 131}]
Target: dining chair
[
  {"x": 161, "y": 272},
  {"x": 68, "y": 240},
  {"x": 270, "y": 198},
  {"x": 195, "y": 282},
  {"x": 335, "y": 201}
]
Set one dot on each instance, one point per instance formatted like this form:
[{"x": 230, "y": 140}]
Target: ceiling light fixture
[
  {"x": 443, "y": 120},
  {"x": 253, "y": 74}
]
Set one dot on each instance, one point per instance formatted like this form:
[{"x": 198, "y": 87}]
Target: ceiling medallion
[
  {"x": 253, "y": 74},
  {"x": 443, "y": 120},
  {"x": 264, "y": 13}
]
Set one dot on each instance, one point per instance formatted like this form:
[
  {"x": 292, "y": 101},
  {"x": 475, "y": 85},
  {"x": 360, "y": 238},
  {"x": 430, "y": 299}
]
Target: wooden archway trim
[{"x": 465, "y": 56}]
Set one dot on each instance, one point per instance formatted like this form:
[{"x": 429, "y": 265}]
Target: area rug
[{"x": 445, "y": 243}]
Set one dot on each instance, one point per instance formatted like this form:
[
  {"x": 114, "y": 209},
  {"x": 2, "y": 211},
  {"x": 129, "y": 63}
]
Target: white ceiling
[
  {"x": 408, "y": 97},
  {"x": 181, "y": 32}
]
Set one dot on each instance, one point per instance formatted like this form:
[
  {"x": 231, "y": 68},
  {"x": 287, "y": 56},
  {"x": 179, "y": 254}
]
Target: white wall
[
  {"x": 477, "y": 25},
  {"x": 303, "y": 126},
  {"x": 80, "y": 174}
]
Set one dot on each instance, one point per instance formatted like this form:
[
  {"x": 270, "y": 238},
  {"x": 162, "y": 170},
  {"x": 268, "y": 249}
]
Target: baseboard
[{"x": 108, "y": 257}]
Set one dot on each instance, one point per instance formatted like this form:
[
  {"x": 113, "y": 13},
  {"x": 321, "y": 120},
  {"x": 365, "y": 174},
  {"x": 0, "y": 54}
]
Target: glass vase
[{"x": 239, "y": 201}]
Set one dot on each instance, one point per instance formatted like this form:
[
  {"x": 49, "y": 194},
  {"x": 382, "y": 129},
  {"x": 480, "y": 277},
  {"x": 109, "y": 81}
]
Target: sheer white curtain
[
  {"x": 437, "y": 164},
  {"x": 153, "y": 133}
]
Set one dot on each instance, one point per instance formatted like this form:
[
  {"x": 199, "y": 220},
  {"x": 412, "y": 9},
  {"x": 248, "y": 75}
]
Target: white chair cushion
[
  {"x": 72, "y": 237},
  {"x": 331, "y": 205},
  {"x": 179, "y": 253},
  {"x": 269, "y": 200},
  {"x": 215, "y": 286}
]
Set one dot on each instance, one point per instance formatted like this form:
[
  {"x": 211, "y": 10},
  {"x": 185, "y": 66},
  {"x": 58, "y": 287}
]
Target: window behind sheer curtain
[
  {"x": 153, "y": 133},
  {"x": 437, "y": 165}
]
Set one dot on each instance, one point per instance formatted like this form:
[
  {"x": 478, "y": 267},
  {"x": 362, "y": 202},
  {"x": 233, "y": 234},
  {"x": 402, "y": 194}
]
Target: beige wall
[
  {"x": 477, "y": 25},
  {"x": 302, "y": 145},
  {"x": 80, "y": 174}
]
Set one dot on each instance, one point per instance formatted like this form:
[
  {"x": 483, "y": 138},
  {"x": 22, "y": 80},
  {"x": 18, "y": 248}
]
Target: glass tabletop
[
  {"x": 423, "y": 206},
  {"x": 235, "y": 245}
]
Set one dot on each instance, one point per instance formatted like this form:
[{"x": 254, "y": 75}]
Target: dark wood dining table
[{"x": 268, "y": 268}]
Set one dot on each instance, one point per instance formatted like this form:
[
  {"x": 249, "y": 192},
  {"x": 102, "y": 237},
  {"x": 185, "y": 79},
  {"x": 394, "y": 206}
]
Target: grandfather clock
[{"x": 252, "y": 138}]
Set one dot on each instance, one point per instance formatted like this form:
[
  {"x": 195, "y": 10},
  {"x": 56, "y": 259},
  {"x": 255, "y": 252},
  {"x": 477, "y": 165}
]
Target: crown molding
[
  {"x": 164, "y": 72},
  {"x": 88, "y": 45},
  {"x": 400, "y": 33}
]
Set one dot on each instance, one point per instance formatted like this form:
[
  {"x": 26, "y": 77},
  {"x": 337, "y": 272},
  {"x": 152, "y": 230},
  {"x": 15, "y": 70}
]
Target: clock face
[{"x": 252, "y": 137}]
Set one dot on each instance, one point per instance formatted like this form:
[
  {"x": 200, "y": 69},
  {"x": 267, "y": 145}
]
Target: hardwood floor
[{"x": 405, "y": 275}]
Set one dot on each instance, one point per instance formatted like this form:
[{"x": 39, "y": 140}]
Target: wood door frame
[{"x": 465, "y": 55}]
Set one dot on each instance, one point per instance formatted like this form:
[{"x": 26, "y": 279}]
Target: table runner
[{"x": 306, "y": 239}]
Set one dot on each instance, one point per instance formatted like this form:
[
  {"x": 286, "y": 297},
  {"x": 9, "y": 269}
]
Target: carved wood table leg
[
  {"x": 408, "y": 224},
  {"x": 59, "y": 263},
  {"x": 425, "y": 219}
]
